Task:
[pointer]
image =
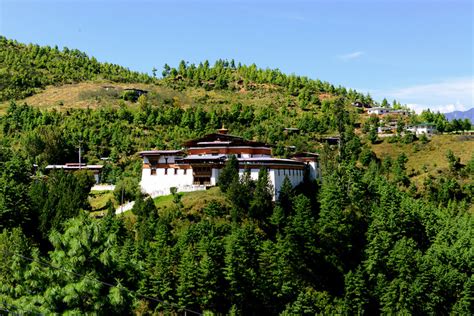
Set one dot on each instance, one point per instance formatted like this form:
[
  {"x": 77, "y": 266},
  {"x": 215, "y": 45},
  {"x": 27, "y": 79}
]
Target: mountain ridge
[{"x": 468, "y": 114}]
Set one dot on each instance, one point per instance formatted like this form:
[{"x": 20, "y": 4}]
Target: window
[
  {"x": 153, "y": 171},
  {"x": 185, "y": 171},
  {"x": 166, "y": 170},
  {"x": 175, "y": 170}
]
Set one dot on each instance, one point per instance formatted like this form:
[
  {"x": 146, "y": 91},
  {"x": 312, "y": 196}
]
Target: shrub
[
  {"x": 366, "y": 156},
  {"x": 408, "y": 138},
  {"x": 424, "y": 139},
  {"x": 130, "y": 95},
  {"x": 393, "y": 139}
]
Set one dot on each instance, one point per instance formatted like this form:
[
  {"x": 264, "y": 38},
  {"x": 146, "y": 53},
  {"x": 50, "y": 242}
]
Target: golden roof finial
[{"x": 223, "y": 130}]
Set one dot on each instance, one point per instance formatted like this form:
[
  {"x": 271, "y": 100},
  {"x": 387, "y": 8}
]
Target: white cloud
[
  {"x": 446, "y": 96},
  {"x": 441, "y": 108},
  {"x": 351, "y": 56}
]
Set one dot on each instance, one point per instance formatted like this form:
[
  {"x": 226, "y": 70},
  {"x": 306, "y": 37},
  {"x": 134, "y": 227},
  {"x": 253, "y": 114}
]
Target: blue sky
[{"x": 419, "y": 52}]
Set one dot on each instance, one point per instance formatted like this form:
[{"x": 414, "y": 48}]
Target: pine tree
[
  {"x": 261, "y": 205},
  {"x": 229, "y": 174}
]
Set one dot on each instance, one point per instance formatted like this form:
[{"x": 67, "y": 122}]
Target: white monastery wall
[
  {"x": 163, "y": 182},
  {"x": 278, "y": 176}
]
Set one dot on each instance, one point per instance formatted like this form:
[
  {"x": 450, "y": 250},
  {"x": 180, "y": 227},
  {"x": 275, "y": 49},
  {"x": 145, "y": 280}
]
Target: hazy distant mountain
[{"x": 469, "y": 114}]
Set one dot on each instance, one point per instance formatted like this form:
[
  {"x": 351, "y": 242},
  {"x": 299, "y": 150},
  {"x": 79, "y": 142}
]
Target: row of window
[
  {"x": 153, "y": 171},
  {"x": 280, "y": 172},
  {"x": 289, "y": 172}
]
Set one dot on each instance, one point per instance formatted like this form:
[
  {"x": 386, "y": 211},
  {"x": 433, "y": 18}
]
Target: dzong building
[{"x": 197, "y": 166}]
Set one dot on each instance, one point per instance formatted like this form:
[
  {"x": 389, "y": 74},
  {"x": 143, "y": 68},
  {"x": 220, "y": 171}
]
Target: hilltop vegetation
[
  {"x": 25, "y": 69},
  {"x": 388, "y": 230},
  {"x": 229, "y": 76}
]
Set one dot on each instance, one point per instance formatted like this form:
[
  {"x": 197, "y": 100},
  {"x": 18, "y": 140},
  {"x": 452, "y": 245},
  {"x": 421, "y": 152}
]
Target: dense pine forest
[{"x": 371, "y": 237}]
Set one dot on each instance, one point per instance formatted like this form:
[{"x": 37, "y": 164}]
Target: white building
[
  {"x": 423, "y": 128},
  {"x": 378, "y": 110},
  {"x": 71, "y": 167},
  {"x": 198, "y": 165},
  {"x": 382, "y": 111}
]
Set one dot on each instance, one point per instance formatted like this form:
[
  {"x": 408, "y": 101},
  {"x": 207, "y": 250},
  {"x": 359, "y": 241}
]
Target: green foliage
[
  {"x": 261, "y": 205},
  {"x": 400, "y": 126},
  {"x": 366, "y": 156},
  {"x": 14, "y": 199},
  {"x": 424, "y": 139},
  {"x": 226, "y": 75},
  {"x": 442, "y": 124},
  {"x": 240, "y": 194},
  {"x": 25, "y": 69},
  {"x": 364, "y": 242},
  {"x": 241, "y": 267},
  {"x": 408, "y": 138},
  {"x": 361, "y": 245},
  {"x": 311, "y": 302},
  {"x": 59, "y": 197},
  {"x": 285, "y": 197},
  {"x": 130, "y": 95},
  {"x": 470, "y": 165},
  {"x": 399, "y": 170},
  {"x": 453, "y": 161},
  {"x": 127, "y": 189},
  {"x": 229, "y": 174},
  {"x": 373, "y": 135},
  {"x": 176, "y": 197}
]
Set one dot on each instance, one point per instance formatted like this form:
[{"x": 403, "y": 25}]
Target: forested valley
[{"x": 364, "y": 239}]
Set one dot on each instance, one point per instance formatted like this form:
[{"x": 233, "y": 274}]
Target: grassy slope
[
  {"x": 193, "y": 203},
  {"x": 431, "y": 156},
  {"x": 98, "y": 201},
  {"x": 93, "y": 95},
  {"x": 79, "y": 95}
]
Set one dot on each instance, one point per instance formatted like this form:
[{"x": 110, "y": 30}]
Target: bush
[
  {"x": 453, "y": 161},
  {"x": 424, "y": 139},
  {"x": 470, "y": 165},
  {"x": 408, "y": 138},
  {"x": 130, "y": 95},
  {"x": 214, "y": 209},
  {"x": 366, "y": 156},
  {"x": 393, "y": 139}
]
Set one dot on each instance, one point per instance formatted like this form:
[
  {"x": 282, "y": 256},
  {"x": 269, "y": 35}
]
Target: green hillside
[
  {"x": 388, "y": 230},
  {"x": 26, "y": 69}
]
